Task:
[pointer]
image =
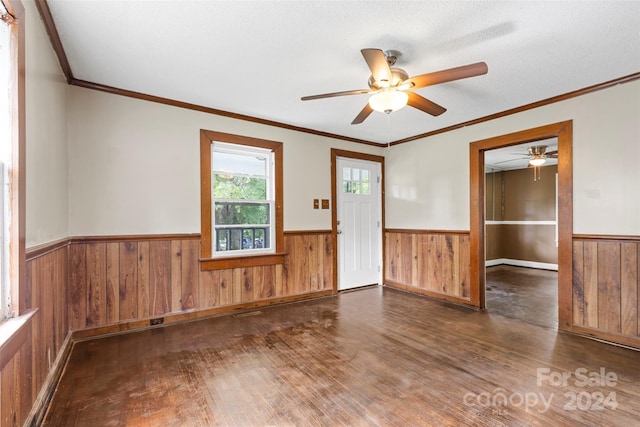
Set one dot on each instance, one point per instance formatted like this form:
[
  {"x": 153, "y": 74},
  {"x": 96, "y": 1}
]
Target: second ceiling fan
[{"x": 390, "y": 86}]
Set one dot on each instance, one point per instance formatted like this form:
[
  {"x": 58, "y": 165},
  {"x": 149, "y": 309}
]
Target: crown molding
[{"x": 52, "y": 31}]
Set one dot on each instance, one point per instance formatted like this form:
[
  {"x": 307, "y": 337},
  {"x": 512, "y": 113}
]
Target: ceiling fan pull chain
[{"x": 388, "y": 132}]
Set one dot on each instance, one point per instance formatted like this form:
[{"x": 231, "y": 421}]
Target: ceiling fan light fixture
[
  {"x": 537, "y": 161},
  {"x": 388, "y": 101}
]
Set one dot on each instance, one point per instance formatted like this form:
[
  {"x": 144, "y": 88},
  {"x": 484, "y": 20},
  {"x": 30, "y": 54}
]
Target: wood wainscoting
[
  {"x": 433, "y": 263},
  {"x": 33, "y": 355},
  {"x": 123, "y": 280},
  {"x": 606, "y": 288}
]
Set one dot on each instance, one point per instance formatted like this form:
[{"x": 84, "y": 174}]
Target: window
[
  {"x": 243, "y": 199},
  {"x": 241, "y": 196},
  {"x": 5, "y": 151},
  {"x": 12, "y": 133},
  {"x": 355, "y": 181}
]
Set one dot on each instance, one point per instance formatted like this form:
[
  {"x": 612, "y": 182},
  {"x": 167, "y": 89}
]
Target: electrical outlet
[
  {"x": 157, "y": 321},
  {"x": 325, "y": 203}
]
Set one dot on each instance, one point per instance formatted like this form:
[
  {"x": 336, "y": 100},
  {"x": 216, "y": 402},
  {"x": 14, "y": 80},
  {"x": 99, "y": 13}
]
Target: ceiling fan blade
[
  {"x": 332, "y": 94},
  {"x": 423, "y": 104},
  {"x": 552, "y": 154},
  {"x": 510, "y": 160},
  {"x": 362, "y": 115},
  {"x": 449, "y": 75},
  {"x": 378, "y": 65}
]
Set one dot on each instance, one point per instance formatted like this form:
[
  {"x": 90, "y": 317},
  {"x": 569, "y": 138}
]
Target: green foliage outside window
[{"x": 240, "y": 188}]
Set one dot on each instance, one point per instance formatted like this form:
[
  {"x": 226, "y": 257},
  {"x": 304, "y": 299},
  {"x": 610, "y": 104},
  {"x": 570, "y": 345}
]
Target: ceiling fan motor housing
[
  {"x": 537, "y": 151},
  {"x": 398, "y": 76}
]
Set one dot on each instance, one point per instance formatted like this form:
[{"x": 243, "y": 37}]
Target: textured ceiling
[{"x": 257, "y": 58}]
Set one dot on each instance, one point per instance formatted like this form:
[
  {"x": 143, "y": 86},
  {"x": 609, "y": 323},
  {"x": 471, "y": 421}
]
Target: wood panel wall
[
  {"x": 606, "y": 288},
  {"x": 433, "y": 263},
  {"x": 25, "y": 368},
  {"x": 16, "y": 373},
  {"x": 119, "y": 281}
]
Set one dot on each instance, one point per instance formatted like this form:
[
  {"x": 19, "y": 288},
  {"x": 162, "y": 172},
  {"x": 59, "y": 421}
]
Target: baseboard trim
[
  {"x": 430, "y": 294},
  {"x": 173, "y": 318},
  {"x": 41, "y": 404},
  {"x": 607, "y": 337},
  {"x": 521, "y": 263}
]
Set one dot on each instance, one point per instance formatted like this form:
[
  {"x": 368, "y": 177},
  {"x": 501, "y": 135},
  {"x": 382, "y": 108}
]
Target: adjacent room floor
[
  {"x": 375, "y": 356},
  {"x": 527, "y": 294}
]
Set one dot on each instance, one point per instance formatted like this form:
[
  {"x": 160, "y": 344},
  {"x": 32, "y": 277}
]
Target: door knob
[{"x": 339, "y": 231}]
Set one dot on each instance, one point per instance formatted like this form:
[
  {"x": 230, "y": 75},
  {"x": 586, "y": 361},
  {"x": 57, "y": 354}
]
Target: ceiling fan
[
  {"x": 390, "y": 86},
  {"x": 536, "y": 154}
]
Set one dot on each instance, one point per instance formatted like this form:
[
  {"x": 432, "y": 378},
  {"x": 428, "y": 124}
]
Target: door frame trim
[
  {"x": 564, "y": 132},
  {"x": 335, "y": 153}
]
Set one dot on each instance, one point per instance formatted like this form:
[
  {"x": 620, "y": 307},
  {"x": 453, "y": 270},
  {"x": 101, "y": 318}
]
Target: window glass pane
[
  {"x": 232, "y": 213},
  {"x": 259, "y": 241},
  {"x": 346, "y": 174},
  {"x": 247, "y": 238},
  {"x": 364, "y": 175},
  {"x": 239, "y": 164},
  {"x": 346, "y": 186},
  {"x": 242, "y": 238},
  {"x": 235, "y": 239},
  {"x": 356, "y": 188},
  {"x": 221, "y": 240},
  {"x": 239, "y": 187},
  {"x": 356, "y": 175},
  {"x": 364, "y": 188}
]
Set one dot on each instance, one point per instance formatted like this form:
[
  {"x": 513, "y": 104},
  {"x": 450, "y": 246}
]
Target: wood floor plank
[{"x": 376, "y": 356}]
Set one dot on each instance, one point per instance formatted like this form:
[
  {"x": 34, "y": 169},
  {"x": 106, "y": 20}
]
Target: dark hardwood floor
[
  {"x": 376, "y": 356},
  {"x": 528, "y": 294}
]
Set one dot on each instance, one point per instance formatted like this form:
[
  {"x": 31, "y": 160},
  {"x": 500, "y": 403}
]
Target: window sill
[
  {"x": 13, "y": 334},
  {"x": 241, "y": 261}
]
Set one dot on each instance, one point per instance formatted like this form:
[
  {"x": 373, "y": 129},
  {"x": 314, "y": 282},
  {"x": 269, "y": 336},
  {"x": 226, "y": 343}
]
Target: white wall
[
  {"x": 46, "y": 142},
  {"x": 134, "y": 166},
  {"x": 101, "y": 164},
  {"x": 428, "y": 179}
]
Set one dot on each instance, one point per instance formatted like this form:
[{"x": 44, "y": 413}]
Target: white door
[{"x": 359, "y": 222}]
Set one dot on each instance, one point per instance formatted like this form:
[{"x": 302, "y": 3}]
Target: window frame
[
  {"x": 246, "y": 151},
  {"x": 207, "y": 260},
  {"x": 15, "y": 261}
]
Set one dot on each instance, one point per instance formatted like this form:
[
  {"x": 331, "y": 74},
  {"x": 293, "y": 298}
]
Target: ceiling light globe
[
  {"x": 538, "y": 161},
  {"x": 387, "y": 101}
]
